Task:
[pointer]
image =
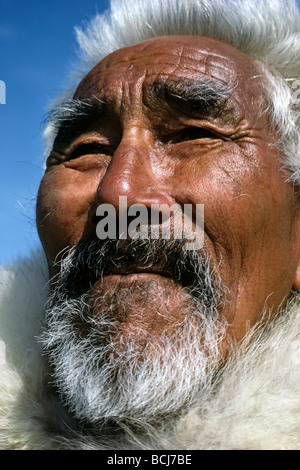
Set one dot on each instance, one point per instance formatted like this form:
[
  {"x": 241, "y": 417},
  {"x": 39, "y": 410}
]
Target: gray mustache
[{"x": 92, "y": 259}]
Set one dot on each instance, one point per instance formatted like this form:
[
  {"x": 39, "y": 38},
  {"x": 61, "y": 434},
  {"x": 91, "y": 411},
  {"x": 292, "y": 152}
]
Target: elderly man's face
[{"x": 155, "y": 141}]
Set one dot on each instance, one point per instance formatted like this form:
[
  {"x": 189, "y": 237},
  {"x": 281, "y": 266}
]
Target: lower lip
[{"x": 135, "y": 276}]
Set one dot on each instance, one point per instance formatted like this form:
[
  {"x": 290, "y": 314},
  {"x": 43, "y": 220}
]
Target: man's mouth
[
  {"x": 131, "y": 270},
  {"x": 94, "y": 261}
]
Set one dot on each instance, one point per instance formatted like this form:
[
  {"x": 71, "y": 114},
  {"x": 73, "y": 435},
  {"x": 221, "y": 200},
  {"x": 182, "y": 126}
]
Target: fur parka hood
[{"x": 255, "y": 404}]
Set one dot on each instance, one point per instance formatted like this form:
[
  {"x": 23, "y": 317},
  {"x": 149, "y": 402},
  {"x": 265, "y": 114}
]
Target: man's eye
[
  {"x": 88, "y": 149},
  {"x": 194, "y": 133}
]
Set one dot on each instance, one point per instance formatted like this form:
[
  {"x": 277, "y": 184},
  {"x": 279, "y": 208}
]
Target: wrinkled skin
[{"x": 155, "y": 151}]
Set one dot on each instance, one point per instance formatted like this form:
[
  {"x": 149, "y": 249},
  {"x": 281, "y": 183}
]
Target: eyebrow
[
  {"x": 198, "y": 98},
  {"x": 73, "y": 115}
]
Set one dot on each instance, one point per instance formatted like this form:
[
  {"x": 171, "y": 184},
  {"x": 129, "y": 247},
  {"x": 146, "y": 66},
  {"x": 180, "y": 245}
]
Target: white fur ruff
[{"x": 256, "y": 406}]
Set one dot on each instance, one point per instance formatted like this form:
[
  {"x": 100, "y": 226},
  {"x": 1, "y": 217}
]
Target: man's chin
[
  {"x": 142, "y": 305},
  {"x": 133, "y": 337}
]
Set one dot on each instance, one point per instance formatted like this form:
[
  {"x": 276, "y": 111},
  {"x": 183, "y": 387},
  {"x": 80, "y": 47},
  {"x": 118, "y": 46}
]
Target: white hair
[{"x": 268, "y": 31}]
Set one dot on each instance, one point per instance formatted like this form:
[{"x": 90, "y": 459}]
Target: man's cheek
[{"x": 55, "y": 221}]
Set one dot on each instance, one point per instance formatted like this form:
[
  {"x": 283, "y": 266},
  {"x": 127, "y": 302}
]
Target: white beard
[
  {"x": 97, "y": 384},
  {"x": 102, "y": 374}
]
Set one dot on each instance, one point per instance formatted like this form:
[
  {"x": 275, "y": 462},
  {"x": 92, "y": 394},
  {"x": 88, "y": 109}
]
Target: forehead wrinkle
[
  {"x": 132, "y": 95},
  {"x": 185, "y": 61}
]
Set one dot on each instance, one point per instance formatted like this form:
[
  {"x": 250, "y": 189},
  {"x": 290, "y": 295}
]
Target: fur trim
[
  {"x": 254, "y": 405},
  {"x": 23, "y": 294}
]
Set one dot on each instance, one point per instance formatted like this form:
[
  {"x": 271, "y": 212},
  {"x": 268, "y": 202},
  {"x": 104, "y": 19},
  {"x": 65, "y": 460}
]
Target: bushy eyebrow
[
  {"x": 199, "y": 98},
  {"x": 73, "y": 115}
]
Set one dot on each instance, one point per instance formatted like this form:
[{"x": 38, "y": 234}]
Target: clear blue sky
[{"x": 37, "y": 48}]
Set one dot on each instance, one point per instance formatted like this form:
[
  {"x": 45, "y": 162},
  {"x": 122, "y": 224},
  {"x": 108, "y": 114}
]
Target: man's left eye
[{"x": 88, "y": 149}]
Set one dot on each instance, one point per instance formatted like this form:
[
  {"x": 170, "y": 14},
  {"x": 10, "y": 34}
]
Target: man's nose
[{"x": 134, "y": 172}]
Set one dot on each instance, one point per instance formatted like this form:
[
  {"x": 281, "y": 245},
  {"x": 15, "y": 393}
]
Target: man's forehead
[{"x": 177, "y": 57}]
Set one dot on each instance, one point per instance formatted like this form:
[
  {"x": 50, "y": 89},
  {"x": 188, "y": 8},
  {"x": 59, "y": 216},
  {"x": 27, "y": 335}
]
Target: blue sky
[{"x": 37, "y": 49}]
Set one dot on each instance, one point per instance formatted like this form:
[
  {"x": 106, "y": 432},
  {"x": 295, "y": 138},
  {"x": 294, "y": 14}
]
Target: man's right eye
[{"x": 88, "y": 149}]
